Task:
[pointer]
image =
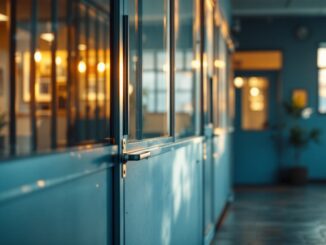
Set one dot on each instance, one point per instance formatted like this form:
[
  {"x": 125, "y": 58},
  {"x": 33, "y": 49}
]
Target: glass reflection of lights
[
  {"x": 238, "y": 82},
  {"x": 82, "y": 66},
  {"x": 101, "y": 67},
  {"x": 37, "y": 56},
  {"x": 82, "y": 47},
  {"x": 254, "y": 91},
  {"x": 58, "y": 60},
  {"x": 49, "y": 37},
  {"x": 3, "y": 18},
  {"x": 195, "y": 64}
]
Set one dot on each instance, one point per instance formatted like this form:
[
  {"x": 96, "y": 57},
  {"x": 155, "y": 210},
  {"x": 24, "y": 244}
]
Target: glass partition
[
  {"x": 187, "y": 67},
  {"x": 321, "y": 62},
  {"x": 255, "y": 103},
  {"x": 62, "y": 70},
  {"x": 4, "y": 77},
  {"x": 149, "y": 81}
]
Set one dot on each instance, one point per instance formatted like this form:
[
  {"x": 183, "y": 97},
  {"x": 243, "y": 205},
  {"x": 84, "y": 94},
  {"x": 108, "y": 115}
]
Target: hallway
[{"x": 275, "y": 216}]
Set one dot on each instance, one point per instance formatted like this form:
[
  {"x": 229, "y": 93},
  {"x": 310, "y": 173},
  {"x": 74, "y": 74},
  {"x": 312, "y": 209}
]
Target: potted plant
[
  {"x": 298, "y": 137},
  {"x": 3, "y": 123}
]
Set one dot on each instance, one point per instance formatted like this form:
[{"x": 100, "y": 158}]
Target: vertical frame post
[
  {"x": 12, "y": 75},
  {"x": 33, "y": 119},
  {"x": 54, "y": 30},
  {"x": 172, "y": 68}
]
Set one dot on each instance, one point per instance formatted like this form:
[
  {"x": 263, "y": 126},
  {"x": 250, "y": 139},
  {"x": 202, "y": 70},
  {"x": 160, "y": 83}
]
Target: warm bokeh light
[
  {"x": 238, "y": 82},
  {"x": 101, "y": 67},
  {"x": 49, "y": 37},
  {"x": 219, "y": 63},
  {"x": 82, "y": 66},
  {"x": 3, "y": 17},
  {"x": 82, "y": 47},
  {"x": 37, "y": 56},
  {"x": 195, "y": 64},
  {"x": 58, "y": 60},
  {"x": 254, "y": 91}
]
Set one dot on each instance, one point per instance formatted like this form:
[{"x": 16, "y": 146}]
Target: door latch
[{"x": 133, "y": 156}]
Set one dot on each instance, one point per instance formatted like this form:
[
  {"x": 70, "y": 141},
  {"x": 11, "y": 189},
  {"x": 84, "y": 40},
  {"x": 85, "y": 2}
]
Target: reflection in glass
[
  {"x": 321, "y": 61},
  {"x": 62, "y": 75},
  {"x": 186, "y": 74},
  {"x": 149, "y": 69},
  {"x": 255, "y": 104},
  {"x": 4, "y": 78},
  {"x": 23, "y": 75},
  {"x": 208, "y": 62}
]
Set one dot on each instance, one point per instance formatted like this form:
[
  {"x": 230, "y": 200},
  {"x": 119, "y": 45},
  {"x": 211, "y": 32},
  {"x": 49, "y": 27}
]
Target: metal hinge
[
  {"x": 205, "y": 151},
  {"x": 124, "y": 162}
]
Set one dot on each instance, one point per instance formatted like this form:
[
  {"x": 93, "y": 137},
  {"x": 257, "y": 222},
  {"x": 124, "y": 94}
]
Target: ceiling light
[{"x": 3, "y": 17}]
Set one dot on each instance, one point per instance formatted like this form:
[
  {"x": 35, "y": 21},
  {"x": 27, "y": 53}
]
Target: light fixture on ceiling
[
  {"x": 47, "y": 36},
  {"x": 3, "y": 17}
]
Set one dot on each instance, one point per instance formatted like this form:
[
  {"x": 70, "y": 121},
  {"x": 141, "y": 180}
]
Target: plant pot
[
  {"x": 298, "y": 176},
  {"x": 284, "y": 175}
]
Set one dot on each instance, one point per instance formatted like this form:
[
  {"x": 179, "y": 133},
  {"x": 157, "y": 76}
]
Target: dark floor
[{"x": 275, "y": 216}]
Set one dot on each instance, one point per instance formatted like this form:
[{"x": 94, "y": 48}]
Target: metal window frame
[
  {"x": 72, "y": 80},
  {"x": 12, "y": 76}
]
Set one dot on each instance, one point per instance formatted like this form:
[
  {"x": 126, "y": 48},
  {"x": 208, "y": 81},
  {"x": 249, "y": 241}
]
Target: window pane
[
  {"x": 62, "y": 75},
  {"x": 321, "y": 57},
  {"x": 43, "y": 75},
  {"x": 220, "y": 83},
  {"x": 149, "y": 69},
  {"x": 322, "y": 90},
  {"x": 4, "y": 78},
  {"x": 24, "y": 59},
  {"x": 186, "y": 70},
  {"x": 255, "y": 104}
]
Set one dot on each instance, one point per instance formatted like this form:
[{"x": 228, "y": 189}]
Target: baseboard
[{"x": 223, "y": 216}]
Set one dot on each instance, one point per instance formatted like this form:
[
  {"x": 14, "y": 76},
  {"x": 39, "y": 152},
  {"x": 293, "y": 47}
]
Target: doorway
[{"x": 256, "y": 105}]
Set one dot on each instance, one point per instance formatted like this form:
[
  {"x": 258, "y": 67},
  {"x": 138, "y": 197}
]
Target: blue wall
[{"x": 299, "y": 70}]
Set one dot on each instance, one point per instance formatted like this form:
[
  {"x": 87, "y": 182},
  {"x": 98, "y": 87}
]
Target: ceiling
[{"x": 279, "y": 7}]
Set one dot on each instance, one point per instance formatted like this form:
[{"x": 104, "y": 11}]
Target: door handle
[{"x": 136, "y": 156}]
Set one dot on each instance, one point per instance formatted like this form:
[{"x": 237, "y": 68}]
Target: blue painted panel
[
  {"x": 163, "y": 198},
  {"x": 57, "y": 199},
  {"x": 222, "y": 173},
  {"x": 208, "y": 189},
  {"x": 77, "y": 212},
  {"x": 226, "y": 8}
]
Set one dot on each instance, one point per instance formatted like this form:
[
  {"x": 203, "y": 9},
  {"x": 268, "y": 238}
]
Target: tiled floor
[{"x": 275, "y": 216}]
